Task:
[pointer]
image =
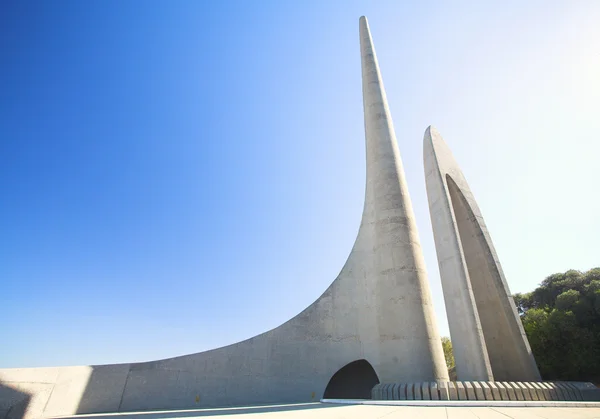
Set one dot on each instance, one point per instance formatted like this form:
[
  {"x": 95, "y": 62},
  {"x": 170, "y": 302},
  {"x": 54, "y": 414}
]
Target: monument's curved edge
[{"x": 376, "y": 319}]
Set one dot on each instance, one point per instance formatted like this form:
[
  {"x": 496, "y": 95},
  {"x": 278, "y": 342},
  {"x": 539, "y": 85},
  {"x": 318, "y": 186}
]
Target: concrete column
[
  {"x": 470, "y": 352},
  {"x": 410, "y": 330},
  {"x": 487, "y": 335}
]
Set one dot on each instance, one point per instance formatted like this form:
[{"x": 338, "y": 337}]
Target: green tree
[
  {"x": 562, "y": 321},
  {"x": 449, "y": 356}
]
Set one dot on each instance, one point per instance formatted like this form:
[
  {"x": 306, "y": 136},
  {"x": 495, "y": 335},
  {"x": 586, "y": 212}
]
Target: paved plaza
[{"x": 335, "y": 411}]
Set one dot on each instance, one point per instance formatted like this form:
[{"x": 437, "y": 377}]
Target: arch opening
[{"x": 353, "y": 381}]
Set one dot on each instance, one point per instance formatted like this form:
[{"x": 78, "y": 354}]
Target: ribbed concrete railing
[{"x": 487, "y": 390}]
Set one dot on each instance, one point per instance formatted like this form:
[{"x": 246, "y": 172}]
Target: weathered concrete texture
[
  {"x": 491, "y": 391},
  {"x": 488, "y": 338},
  {"x": 378, "y": 309}
]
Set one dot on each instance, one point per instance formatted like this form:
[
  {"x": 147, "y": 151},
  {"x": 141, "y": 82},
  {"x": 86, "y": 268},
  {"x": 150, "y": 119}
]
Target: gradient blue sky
[{"x": 177, "y": 176}]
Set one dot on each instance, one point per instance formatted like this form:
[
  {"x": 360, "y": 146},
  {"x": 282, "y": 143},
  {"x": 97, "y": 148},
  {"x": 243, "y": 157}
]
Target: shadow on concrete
[
  {"x": 166, "y": 414},
  {"x": 13, "y": 403},
  {"x": 104, "y": 389}
]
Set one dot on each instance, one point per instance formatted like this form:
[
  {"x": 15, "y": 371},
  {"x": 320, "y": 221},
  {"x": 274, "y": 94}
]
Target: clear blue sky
[{"x": 177, "y": 176}]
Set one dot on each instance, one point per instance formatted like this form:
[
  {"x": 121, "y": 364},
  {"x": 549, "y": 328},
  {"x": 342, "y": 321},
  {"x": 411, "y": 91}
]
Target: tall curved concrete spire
[
  {"x": 389, "y": 218},
  {"x": 487, "y": 335},
  {"x": 375, "y": 322}
]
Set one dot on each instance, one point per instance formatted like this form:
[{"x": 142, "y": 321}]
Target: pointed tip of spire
[
  {"x": 433, "y": 142},
  {"x": 430, "y": 133},
  {"x": 363, "y": 23},
  {"x": 431, "y": 129}
]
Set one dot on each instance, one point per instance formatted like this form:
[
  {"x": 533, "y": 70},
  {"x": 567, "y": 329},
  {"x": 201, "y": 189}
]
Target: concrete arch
[
  {"x": 379, "y": 308},
  {"x": 487, "y": 335}
]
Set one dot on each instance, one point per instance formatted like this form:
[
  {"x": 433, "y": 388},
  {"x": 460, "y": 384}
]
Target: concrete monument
[
  {"x": 493, "y": 358},
  {"x": 488, "y": 339},
  {"x": 374, "y": 323},
  {"x": 372, "y": 333}
]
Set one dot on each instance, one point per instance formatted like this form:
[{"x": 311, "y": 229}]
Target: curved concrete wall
[
  {"x": 378, "y": 309},
  {"x": 487, "y": 335}
]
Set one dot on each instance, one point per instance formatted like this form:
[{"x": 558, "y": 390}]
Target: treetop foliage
[{"x": 562, "y": 321}]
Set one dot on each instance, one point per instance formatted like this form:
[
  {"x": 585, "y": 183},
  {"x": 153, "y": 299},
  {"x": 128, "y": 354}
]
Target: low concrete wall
[
  {"x": 284, "y": 365},
  {"x": 537, "y": 391},
  {"x": 62, "y": 390}
]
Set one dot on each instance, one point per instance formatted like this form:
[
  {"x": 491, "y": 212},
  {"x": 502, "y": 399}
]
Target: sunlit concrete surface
[
  {"x": 332, "y": 411},
  {"x": 489, "y": 342},
  {"x": 375, "y": 322}
]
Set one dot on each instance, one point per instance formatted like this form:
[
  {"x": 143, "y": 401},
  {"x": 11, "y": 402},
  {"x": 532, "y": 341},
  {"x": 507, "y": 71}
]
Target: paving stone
[
  {"x": 531, "y": 390},
  {"x": 434, "y": 390},
  {"x": 503, "y": 390},
  {"x": 540, "y": 391},
  {"x": 460, "y": 389},
  {"x": 478, "y": 390},
  {"x": 402, "y": 391},
  {"x": 470, "y": 390},
  {"x": 452, "y": 391},
  {"x": 517, "y": 389},
  {"x": 410, "y": 395},
  {"x": 487, "y": 390},
  {"x": 417, "y": 391}
]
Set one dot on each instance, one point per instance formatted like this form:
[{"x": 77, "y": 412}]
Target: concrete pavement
[{"x": 332, "y": 411}]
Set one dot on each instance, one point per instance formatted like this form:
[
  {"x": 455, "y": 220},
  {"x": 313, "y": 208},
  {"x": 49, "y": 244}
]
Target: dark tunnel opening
[{"x": 353, "y": 381}]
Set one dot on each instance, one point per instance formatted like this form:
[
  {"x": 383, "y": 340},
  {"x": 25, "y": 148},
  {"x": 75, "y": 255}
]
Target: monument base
[{"x": 488, "y": 390}]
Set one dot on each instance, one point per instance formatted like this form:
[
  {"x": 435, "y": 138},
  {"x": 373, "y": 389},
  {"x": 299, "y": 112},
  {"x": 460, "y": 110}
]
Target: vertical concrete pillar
[
  {"x": 410, "y": 330},
  {"x": 487, "y": 335}
]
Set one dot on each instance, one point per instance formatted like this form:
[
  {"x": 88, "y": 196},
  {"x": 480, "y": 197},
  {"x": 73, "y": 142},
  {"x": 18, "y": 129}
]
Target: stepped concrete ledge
[
  {"x": 463, "y": 403},
  {"x": 487, "y": 391}
]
